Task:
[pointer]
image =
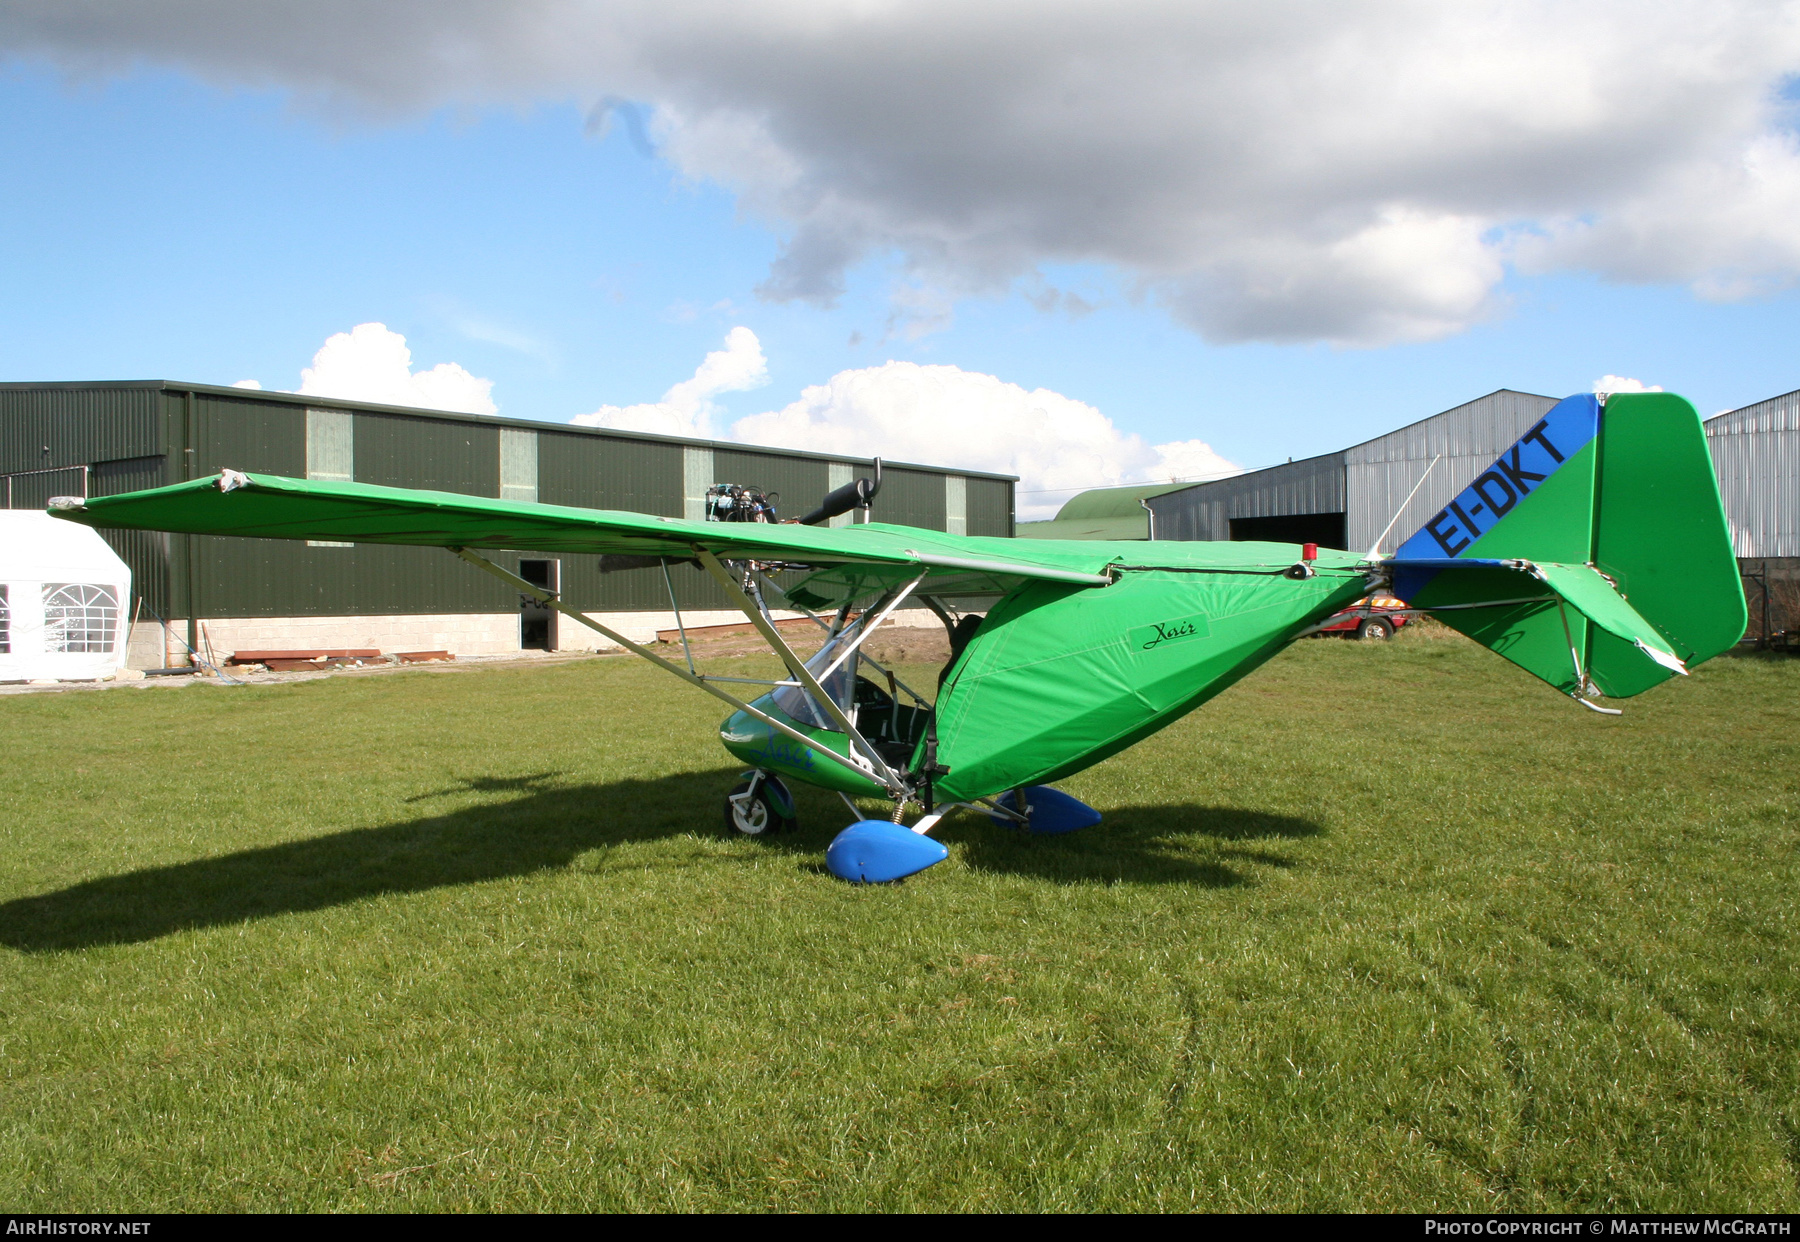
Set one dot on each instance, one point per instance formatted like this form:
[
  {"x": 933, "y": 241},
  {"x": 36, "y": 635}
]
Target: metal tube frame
[
  {"x": 836, "y": 626},
  {"x": 893, "y": 785},
  {"x": 759, "y": 618},
  {"x": 746, "y": 681},
  {"x": 20, "y": 474},
  {"x": 869, "y": 627},
  {"x": 1581, "y": 678},
  {"x": 679, "y": 625}
]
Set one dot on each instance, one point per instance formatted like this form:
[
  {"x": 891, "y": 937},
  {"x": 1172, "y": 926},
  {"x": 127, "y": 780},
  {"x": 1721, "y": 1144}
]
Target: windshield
[{"x": 799, "y": 705}]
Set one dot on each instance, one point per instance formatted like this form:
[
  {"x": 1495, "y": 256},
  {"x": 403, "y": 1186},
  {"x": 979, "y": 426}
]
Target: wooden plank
[{"x": 793, "y": 625}]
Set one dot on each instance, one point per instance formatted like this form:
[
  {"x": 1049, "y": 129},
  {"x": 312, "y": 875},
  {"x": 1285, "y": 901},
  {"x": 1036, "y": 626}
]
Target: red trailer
[{"x": 1372, "y": 616}]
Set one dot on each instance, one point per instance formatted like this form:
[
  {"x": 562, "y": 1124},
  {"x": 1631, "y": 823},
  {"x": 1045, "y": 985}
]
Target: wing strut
[
  {"x": 550, "y": 600},
  {"x": 869, "y": 627},
  {"x": 836, "y": 627}
]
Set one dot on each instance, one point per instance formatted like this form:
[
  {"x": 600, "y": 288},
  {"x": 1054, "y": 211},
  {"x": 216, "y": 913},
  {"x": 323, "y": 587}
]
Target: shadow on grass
[
  {"x": 491, "y": 784},
  {"x": 543, "y": 829},
  {"x": 538, "y": 829},
  {"x": 1139, "y": 845}
]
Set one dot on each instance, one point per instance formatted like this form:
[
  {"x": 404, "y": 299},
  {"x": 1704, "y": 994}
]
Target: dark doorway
[
  {"x": 536, "y": 621},
  {"x": 1324, "y": 529}
]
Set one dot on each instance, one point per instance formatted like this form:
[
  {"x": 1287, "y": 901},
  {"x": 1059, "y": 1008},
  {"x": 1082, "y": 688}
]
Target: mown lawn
[{"x": 1384, "y": 927}]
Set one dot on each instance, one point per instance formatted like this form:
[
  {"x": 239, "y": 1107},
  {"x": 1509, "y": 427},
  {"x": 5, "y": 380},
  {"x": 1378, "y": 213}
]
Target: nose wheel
[{"x": 760, "y": 805}]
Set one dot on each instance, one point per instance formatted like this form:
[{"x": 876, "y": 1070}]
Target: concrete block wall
[
  {"x": 641, "y": 627},
  {"x": 151, "y": 646}
]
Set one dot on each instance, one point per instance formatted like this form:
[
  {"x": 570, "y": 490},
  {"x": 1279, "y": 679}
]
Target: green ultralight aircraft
[{"x": 1593, "y": 553}]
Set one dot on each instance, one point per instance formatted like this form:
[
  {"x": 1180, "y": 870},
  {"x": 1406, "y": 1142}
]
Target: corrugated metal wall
[
  {"x": 54, "y": 426},
  {"x": 1378, "y": 474},
  {"x": 643, "y": 476},
  {"x": 910, "y": 498},
  {"x": 118, "y": 433},
  {"x": 135, "y": 436},
  {"x": 1205, "y": 510},
  {"x": 1367, "y": 483},
  {"x": 146, "y": 551},
  {"x": 990, "y": 507},
  {"x": 1756, "y": 452},
  {"x": 282, "y": 578}
]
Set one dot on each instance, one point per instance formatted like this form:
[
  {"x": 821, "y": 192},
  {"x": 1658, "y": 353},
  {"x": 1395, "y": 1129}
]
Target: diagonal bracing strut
[{"x": 549, "y": 599}]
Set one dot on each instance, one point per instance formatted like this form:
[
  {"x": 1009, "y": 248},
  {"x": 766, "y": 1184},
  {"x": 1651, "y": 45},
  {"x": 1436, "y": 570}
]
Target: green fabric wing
[{"x": 273, "y": 507}]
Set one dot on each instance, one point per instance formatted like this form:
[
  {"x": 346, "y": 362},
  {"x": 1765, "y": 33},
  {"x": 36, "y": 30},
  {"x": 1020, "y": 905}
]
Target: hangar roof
[
  {"x": 1102, "y": 513},
  {"x": 488, "y": 420}
]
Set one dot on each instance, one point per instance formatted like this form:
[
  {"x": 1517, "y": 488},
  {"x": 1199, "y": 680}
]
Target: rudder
[{"x": 1662, "y": 536}]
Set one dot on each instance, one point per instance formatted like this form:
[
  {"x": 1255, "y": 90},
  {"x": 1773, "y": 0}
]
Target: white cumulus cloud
[
  {"x": 372, "y": 363},
  {"x": 688, "y": 408},
  {"x": 1291, "y": 170},
  {"x": 935, "y": 415},
  {"x": 1621, "y": 383},
  {"x": 943, "y": 415}
]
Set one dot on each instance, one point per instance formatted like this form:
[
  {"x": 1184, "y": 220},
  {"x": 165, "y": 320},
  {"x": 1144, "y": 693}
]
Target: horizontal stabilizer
[
  {"x": 1538, "y": 613},
  {"x": 1587, "y": 590}
]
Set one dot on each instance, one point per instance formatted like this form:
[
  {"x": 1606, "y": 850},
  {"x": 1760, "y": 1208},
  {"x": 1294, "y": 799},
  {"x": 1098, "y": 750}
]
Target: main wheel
[
  {"x": 768, "y": 810},
  {"x": 1375, "y": 627}
]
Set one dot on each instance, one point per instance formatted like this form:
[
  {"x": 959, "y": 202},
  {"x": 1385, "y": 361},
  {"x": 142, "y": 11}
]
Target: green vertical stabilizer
[{"x": 1663, "y": 538}]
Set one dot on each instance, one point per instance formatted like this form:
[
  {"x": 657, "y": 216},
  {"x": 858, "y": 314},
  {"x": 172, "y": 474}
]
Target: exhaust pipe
[{"x": 856, "y": 495}]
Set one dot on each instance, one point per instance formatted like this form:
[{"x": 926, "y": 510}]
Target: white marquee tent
[{"x": 64, "y": 600}]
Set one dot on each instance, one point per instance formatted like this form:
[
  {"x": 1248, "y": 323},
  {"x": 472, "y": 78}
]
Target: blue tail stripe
[{"x": 1543, "y": 450}]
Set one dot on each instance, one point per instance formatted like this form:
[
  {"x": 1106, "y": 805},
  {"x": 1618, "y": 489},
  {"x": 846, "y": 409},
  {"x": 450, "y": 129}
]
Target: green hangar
[{"x": 100, "y": 439}]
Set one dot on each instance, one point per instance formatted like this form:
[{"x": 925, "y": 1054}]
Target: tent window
[
  {"x": 5, "y": 623},
  {"x": 80, "y": 617}
]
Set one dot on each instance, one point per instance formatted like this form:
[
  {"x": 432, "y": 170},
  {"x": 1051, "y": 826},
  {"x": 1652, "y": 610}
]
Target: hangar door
[{"x": 1325, "y": 529}]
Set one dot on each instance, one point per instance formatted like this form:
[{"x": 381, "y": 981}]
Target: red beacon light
[{"x": 1309, "y": 551}]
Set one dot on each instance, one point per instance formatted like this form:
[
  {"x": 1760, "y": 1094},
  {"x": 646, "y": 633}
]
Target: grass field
[{"x": 1384, "y": 927}]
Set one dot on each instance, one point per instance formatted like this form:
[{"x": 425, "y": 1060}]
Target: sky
[{"x": 1082, "y": 243}]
